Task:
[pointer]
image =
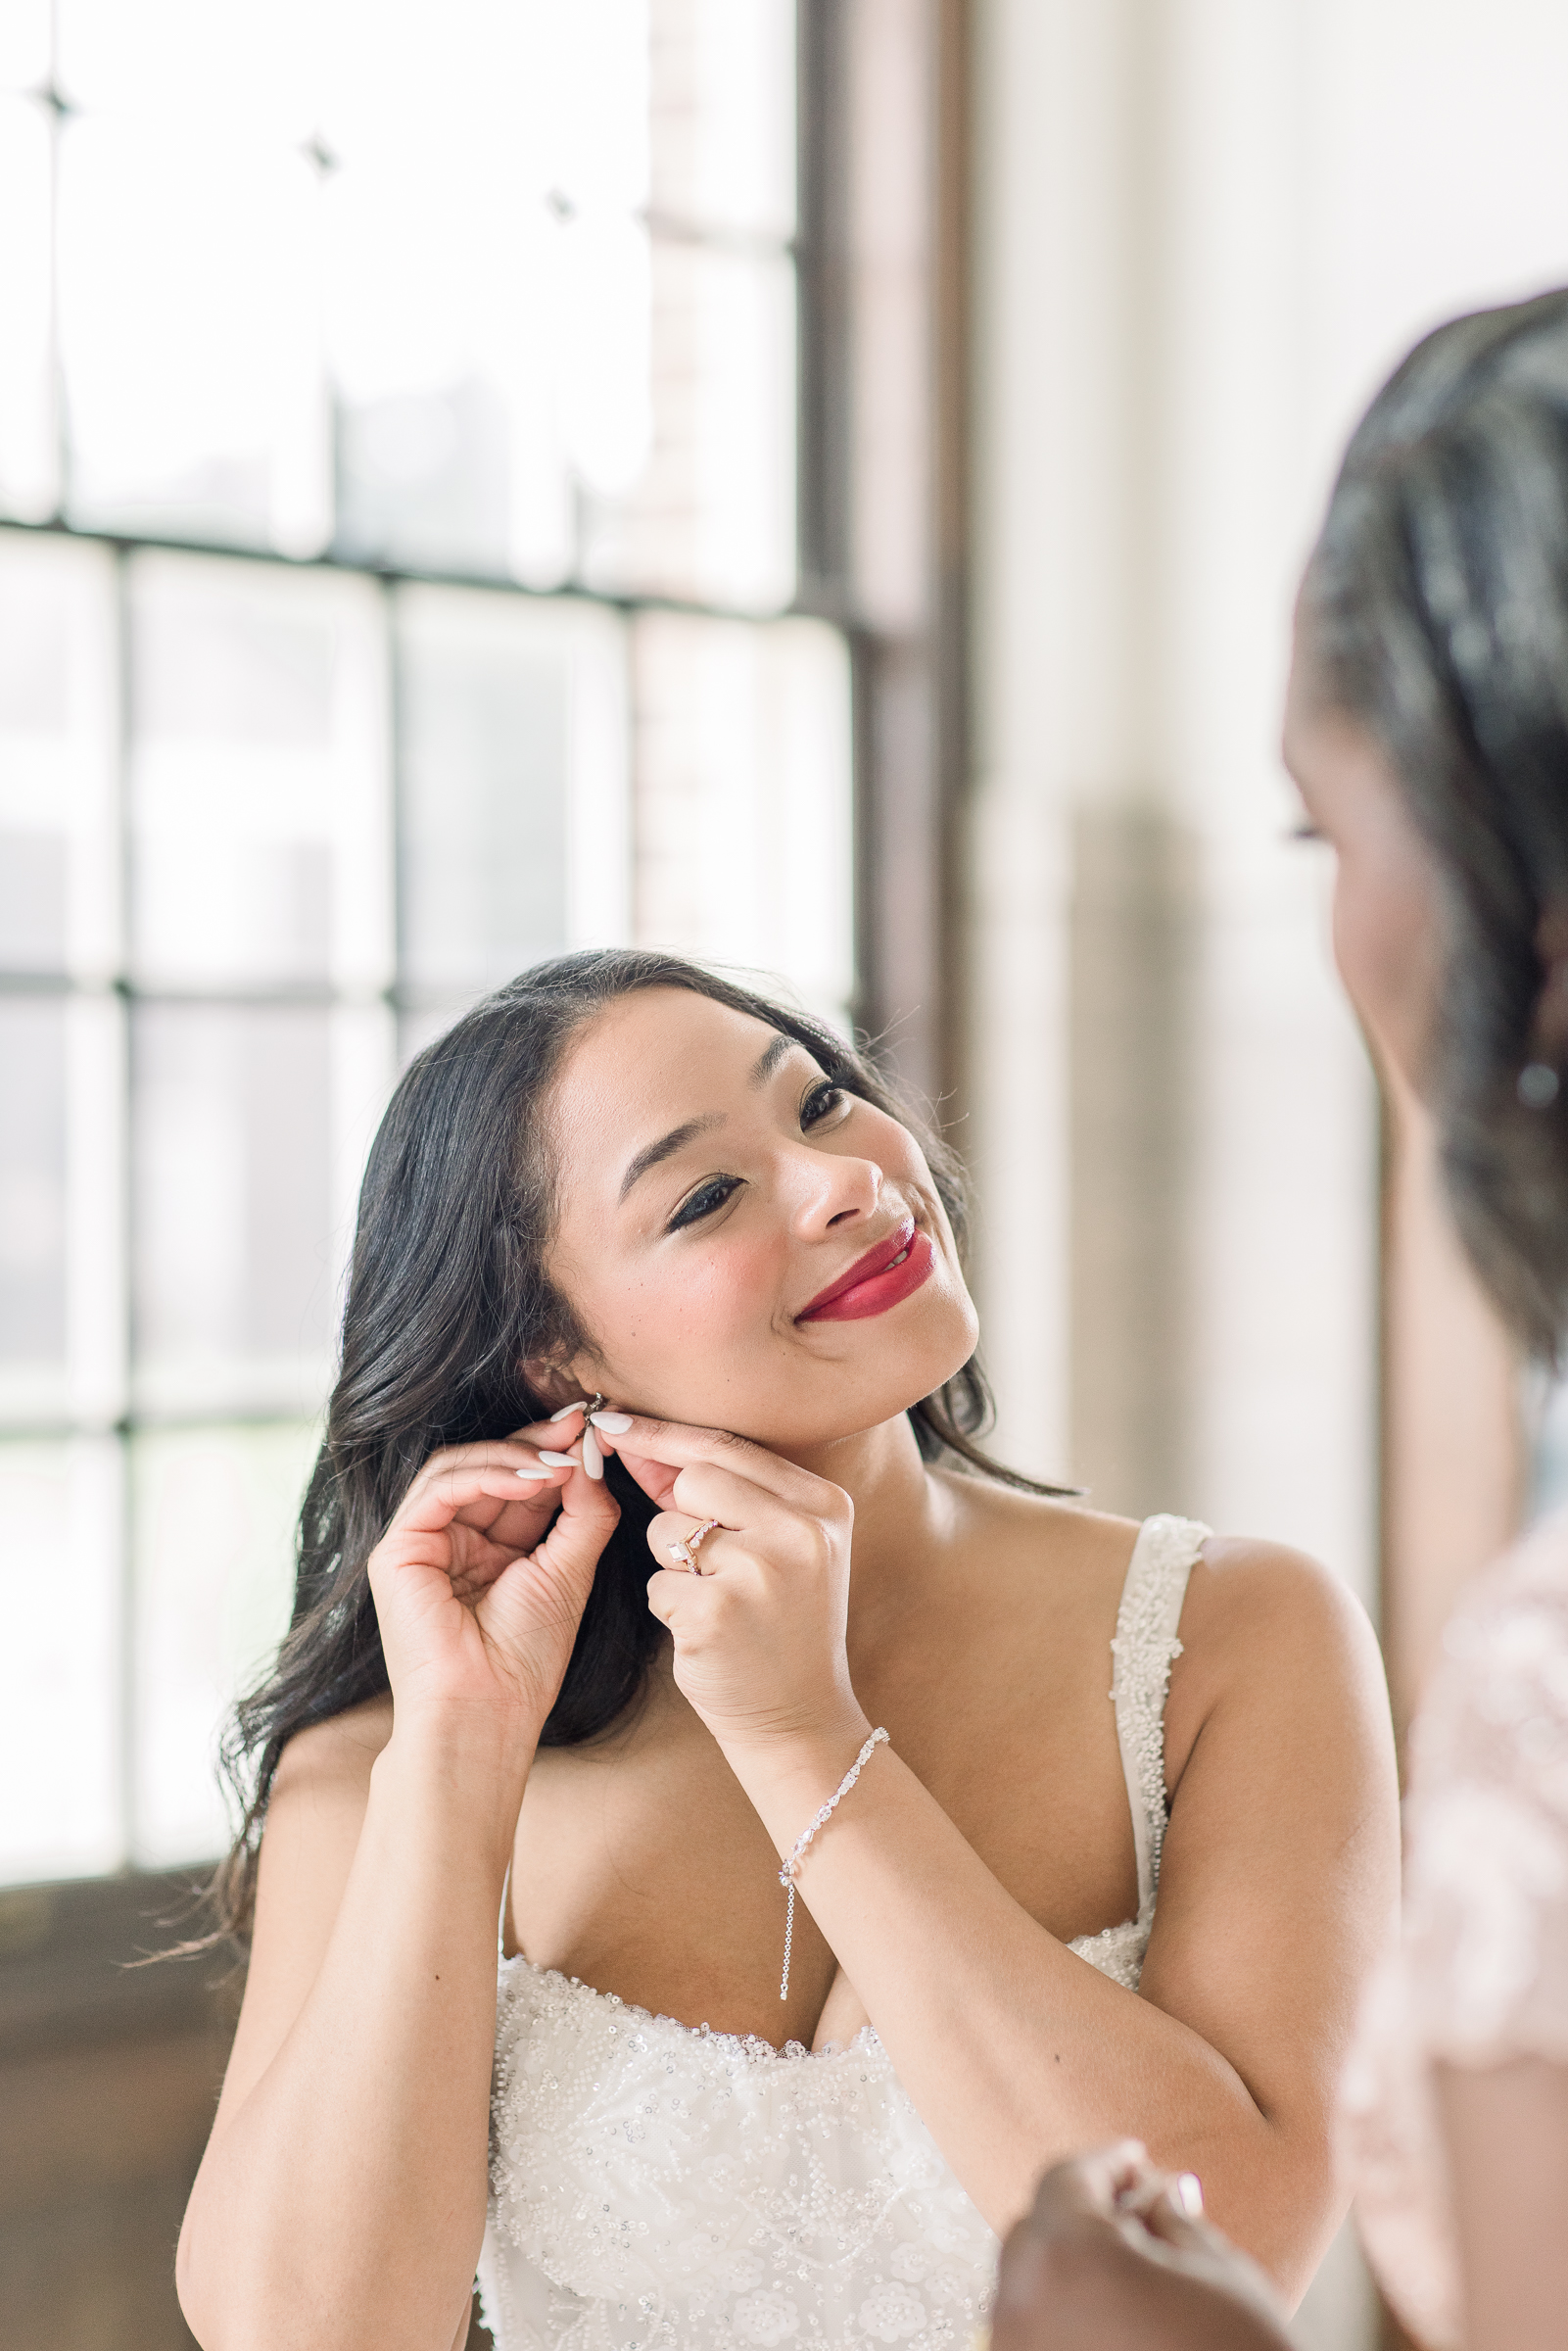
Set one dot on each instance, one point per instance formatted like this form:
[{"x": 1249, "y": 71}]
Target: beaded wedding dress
[
  {"x": 660, "y": 2188},
  {"x": 1482, "y": 1978}
]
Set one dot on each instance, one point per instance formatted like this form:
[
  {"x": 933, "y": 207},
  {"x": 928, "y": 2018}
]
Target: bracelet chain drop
[{"x": 790, "y": 1869}]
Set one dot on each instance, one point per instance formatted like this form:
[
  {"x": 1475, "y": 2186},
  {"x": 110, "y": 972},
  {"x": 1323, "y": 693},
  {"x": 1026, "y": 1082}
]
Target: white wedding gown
[{"x": 656, "y": 2186}]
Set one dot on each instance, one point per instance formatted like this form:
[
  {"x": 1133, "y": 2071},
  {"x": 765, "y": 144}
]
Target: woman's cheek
[
  {"x": 1386, "y": 946},
  {"x": 700, "y": 1308},
  {"x": 724, "y": 1297}
]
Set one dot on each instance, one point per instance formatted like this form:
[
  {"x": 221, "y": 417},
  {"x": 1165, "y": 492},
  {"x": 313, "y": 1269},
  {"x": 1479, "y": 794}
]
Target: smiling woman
[{"x": 621, "y": 1179}]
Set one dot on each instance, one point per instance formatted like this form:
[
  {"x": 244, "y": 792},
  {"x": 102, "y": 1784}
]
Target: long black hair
[
  {"x": 447, "y": 1298},
  {"x": 1435, "y": 609}
]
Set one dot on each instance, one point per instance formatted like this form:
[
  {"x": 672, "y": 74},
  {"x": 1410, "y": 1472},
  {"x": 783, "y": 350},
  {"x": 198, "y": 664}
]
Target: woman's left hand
[
  {"x": 1116, "y": 2256},
  {"x": 759, "y": 1624}
]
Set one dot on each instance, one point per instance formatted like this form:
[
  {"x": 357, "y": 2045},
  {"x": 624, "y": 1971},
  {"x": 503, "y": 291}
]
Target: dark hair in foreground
[
  {"x": 1435, "y": 609},
  {"x": 447, "y": 1296}
]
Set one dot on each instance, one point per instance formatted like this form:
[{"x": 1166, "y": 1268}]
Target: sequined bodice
[{"x": 655, "y": 2187}]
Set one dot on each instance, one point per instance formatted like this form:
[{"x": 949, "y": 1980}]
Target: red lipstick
[{"x": 885, "y": 1277}]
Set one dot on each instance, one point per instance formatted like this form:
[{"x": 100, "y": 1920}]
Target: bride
[{"x": 649, "y": 1525}]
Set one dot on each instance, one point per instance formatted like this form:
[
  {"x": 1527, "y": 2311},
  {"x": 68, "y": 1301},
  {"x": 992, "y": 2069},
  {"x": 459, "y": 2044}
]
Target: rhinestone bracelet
[{"x": 787, "y": 1874}]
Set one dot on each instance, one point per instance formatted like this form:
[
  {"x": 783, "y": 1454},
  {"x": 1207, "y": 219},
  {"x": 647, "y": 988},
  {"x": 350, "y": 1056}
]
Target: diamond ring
[{"x": 684, "y": 1555}]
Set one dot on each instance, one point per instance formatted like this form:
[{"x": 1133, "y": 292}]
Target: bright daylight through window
[{"x": 398, "y": 471}]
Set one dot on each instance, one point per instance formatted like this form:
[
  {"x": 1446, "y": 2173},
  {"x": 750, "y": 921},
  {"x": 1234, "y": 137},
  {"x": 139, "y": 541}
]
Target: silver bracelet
[{"x": 787, "y": 1874}]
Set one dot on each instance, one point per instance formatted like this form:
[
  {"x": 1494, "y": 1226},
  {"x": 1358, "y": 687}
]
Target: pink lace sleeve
[
  {"x": 1483, "y": 1973},
  {"x": 1486, "y": 1932}
]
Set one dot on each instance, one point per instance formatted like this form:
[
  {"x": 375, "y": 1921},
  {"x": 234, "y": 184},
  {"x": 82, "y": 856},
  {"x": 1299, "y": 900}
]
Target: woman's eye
[
  {"x": 820, "y": 1101},
  {"x": 704, "y": 1200}
]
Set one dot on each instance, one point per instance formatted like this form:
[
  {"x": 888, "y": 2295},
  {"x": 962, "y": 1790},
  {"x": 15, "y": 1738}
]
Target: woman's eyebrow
[
  {"x": 771, "y": 1056},
  {"x": 666, "y": 1146}
]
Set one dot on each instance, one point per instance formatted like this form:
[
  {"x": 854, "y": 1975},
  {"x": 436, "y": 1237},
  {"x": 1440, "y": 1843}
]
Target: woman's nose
[{"x": 833, "y": 1192}]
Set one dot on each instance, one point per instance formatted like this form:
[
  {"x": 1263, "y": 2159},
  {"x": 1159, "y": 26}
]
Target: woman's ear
[{"x": 554, "y": 1383}]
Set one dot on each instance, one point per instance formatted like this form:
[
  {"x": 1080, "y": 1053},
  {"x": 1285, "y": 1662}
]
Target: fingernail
[
  {"x": 530, "y": 1477},
  {"x": 1187, "y": 2191},
  {"x": 567, "y": 1410},
  {"x": 614, "y": 1424},
  {"x": 557, "y": 1461},
  {"x": 593, "y": 1459}
]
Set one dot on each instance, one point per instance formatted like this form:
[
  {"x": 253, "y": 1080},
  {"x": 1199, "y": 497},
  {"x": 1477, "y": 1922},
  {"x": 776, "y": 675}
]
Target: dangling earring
[
  {"x": 592, "y": 1453},
  {"x": 593, "y": 1456}
]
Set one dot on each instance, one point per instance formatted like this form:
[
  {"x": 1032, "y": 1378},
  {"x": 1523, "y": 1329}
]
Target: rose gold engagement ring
[{"x": 684, "y": 1555}]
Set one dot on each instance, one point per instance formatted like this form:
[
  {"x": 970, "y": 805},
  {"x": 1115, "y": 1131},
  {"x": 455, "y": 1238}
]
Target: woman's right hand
[
  {"x": 480, "y": 1580},
  {"x": 1116, "y": 2256}
]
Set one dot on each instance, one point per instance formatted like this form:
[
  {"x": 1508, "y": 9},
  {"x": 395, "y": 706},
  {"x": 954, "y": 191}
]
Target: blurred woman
[{"x": 1427, "y": 728}]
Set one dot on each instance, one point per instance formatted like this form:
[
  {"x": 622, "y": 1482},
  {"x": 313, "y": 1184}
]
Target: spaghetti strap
[{"x": 1144, "y": 1650}]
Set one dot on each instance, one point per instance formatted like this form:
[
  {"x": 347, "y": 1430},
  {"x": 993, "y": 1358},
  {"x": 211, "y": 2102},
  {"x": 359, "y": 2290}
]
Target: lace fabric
[
  {"x": 1145, "y": 1648},
  {"x": 660, "y": 2188},
  {"x": 1482, "y": 1977}
]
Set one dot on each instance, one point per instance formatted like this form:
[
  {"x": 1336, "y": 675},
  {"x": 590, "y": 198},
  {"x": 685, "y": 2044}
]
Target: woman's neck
[{"x": 901, "y": 1511}]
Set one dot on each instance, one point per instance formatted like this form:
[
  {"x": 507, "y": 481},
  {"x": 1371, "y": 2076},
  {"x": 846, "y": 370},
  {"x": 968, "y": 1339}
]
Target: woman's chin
[{"x": 815, "y": 1415}]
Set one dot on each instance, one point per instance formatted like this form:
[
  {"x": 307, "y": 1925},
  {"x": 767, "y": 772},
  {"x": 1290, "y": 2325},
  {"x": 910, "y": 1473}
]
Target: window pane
[
  {"x": 713, "y": 515},
  {"x": 188, "y": 268},
  {"x": 60, "y": 1719},
  {"x": 513, "y": 771},
  {"x": 30, "y": 469},
  {"x": 443, "y": 302},
  {"x": 566, "y": 87},
  {"x": 471, "y": 309},
  {"x": 234, "y": 1242},
  {"x": 188, "y": 60},
  {"x": 33, "y": 1208},
  {"x": 744, "y": 818},
  {"x": 25, "y": 45},
  {"x": 59, "y": 879},
  {"x": 62, "y": 1209},
  {"x": 259, "y": 801},
  {"x": 213, "y": 1513},
  {"x": 723, "y": 107}
]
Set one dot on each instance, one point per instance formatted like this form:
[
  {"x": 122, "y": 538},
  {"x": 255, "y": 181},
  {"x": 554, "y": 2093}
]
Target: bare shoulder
[
  {"x": 331, "y": 1761},
  {"x": 1270, "y": 1629},
  {"x": 1245, "y": 1593}
]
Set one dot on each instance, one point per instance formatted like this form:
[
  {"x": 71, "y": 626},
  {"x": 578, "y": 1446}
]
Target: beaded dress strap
[{"x": 1144, "y": 1650}]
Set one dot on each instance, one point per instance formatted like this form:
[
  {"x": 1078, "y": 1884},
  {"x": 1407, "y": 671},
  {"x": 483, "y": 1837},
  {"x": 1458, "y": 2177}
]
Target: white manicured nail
[
  {"x": 614, "y": 1424},
  {"x": 593, "y": 1459},
  {"x": 1187, "y": 2191},
  {"x": 557, "y": 1461},
  {"x": 567, "y": 1410},
  {"x": 530, "y": 1477}
]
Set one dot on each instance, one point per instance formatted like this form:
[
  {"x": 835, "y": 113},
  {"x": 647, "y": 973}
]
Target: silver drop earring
[
  {"x": 592, "y": 1454},
  {"x": 592, "y": 1451},
  {"x": 1538, "y": 1085}
]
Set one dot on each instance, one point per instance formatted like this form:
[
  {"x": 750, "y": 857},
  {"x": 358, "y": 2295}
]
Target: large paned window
[{"x": 400, "y": 471}]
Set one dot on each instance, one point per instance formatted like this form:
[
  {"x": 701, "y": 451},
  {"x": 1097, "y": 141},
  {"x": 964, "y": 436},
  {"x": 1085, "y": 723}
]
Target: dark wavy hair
[
  {"x": 447, "y": 1296},
  {"x": 1435, "y": 610}
]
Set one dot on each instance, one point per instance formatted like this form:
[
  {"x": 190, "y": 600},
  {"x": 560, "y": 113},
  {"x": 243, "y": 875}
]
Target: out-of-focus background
[{"x": 816, "y": 483}]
